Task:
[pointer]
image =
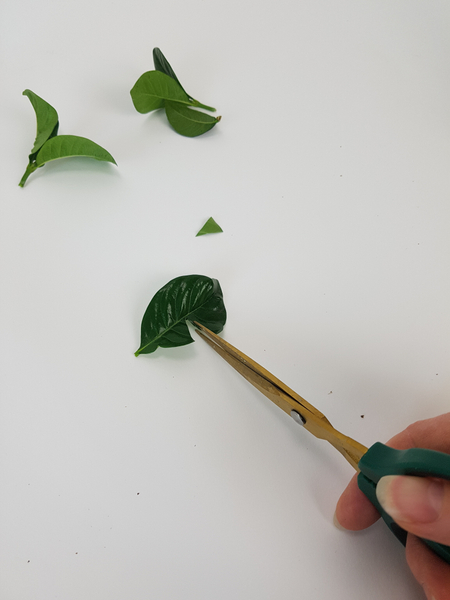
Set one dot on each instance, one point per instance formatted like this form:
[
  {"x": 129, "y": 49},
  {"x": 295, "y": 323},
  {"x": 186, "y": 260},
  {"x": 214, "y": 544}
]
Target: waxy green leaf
[
  {"x": 153, "y": 88},
  {"x": 187, "y": 121},
  {"x": 46, "y": 121},
  {"x": 210, "y": 227},
  {"x": 65, "y": 146},
  {"x": 49, "y": 146},
  {"x": 162, "y": 88},
  {"x": 187, "y": 298},
  {"x": 162, "y": 64}
]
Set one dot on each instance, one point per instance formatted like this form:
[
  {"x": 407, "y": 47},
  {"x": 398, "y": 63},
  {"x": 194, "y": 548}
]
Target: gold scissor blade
[
  {"x": 285, "y": 398},
  {"x": 250, "y": 369}
]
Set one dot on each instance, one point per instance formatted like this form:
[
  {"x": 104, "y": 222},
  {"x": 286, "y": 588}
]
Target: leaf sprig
[
  {"x": 50, "y": 146},
  {"x": 186, "y": 298},
  {"x": 161, "y": 88}
]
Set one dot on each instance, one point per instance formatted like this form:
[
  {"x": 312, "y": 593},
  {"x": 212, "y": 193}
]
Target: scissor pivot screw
[{"x": 298, "y": 417}]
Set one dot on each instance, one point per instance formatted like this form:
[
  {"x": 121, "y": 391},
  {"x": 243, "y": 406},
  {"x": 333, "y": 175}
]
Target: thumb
[{"x": 420, "y": 505}]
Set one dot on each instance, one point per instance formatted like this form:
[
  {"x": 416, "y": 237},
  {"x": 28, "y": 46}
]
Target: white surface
[{"x": 167, "y": 476}]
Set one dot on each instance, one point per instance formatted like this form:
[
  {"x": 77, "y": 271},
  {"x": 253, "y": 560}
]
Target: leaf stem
[
  {"x": 200, "y": 105},
  {"x": 31, "y": 168}
]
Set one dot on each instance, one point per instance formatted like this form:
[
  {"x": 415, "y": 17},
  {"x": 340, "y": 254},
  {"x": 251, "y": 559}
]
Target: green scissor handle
[{"x": 381, "y": 460}]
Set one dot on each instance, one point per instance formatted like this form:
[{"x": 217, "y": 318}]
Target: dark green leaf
[
  {"x": 190, "y": 297},
  {"x": 46, "y": 121},
  {"x": 162, "y": 64},
  {"x": 210, "y": 227},
  {"x": 187, "y": 121},
  {"x": 153, "y": 88},
  {"x": 63, "y": 146}
]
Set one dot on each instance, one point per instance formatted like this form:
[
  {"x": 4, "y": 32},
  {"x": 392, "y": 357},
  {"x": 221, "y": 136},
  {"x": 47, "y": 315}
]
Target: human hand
[{"x": 419, "y": 505}]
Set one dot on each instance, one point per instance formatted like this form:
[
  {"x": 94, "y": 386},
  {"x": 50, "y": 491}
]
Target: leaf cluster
[
  {"x": 161, "y": 88},
  {"x": 50, "y": 146},
  {"x": 186, "y": 298}
]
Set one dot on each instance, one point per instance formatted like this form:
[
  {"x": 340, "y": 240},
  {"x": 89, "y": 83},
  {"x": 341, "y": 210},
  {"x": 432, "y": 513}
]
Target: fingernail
[
  {"x": 411, "y": 499},
  {"x": 337, "y": 524}
]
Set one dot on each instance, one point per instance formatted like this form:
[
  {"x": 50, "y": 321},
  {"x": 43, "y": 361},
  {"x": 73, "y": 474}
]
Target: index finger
[{"x": 433, "y": 434}]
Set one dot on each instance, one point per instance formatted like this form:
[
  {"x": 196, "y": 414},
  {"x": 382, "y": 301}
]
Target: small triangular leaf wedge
[{"x": 210, "y": 227}]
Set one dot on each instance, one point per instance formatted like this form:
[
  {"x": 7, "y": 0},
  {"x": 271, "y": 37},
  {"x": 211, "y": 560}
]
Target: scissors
[{"x": 371, "y": 463}]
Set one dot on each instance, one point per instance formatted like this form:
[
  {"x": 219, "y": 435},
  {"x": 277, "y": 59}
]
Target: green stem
[
  {"x": 31, "y": 168},
  {"x": 200, "y": 105}
]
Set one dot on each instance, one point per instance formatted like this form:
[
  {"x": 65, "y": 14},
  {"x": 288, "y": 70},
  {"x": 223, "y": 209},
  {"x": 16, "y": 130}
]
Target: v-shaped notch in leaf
[{"x": 189, "y": 297}]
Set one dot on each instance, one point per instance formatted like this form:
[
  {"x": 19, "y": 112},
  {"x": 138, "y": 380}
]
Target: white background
[{"x": 168, "y": 476}]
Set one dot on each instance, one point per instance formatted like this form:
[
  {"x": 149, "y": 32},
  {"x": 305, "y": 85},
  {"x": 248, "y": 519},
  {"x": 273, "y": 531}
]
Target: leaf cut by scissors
[{"x": 186, "y": 298}]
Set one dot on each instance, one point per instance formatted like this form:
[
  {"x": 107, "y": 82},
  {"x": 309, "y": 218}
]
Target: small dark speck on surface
[
  {"x": 330, "y": 392},
  {"x": 28, "y": 560},
  {"x": 138, "y": 493},
  {"x": 362, "y": 416}
]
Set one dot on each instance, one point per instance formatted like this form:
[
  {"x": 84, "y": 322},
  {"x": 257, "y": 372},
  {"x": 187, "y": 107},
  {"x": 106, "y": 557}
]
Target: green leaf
[
  {"x": 187, "y": 121},
  {"x": 153, "y": 88},
  {"x": 46, "y": 121},
  {"x": 210, "y": 227},
  {"x": 64, "y": 146},
  {"x": 50, "y": 146},
  {"x": 190, "y": 297},
  {"x": 162, "y": 64}
]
